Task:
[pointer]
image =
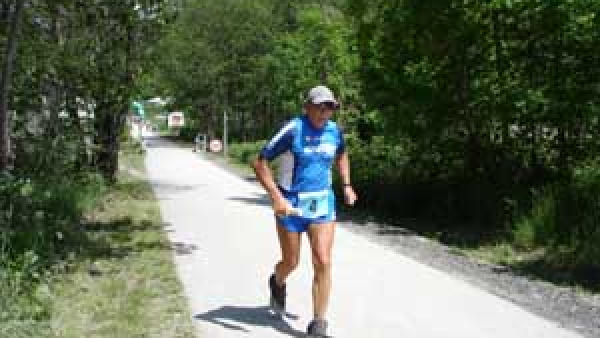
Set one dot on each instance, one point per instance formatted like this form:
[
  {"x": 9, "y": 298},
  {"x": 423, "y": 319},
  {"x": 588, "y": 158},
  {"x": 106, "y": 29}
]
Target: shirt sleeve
[{"x": 280, "y": 143}]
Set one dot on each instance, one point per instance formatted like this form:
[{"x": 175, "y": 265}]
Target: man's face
[{"x": 320, "y": 113}]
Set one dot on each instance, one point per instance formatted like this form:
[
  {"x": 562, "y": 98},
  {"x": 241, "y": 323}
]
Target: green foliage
[
  {"x": 565, "y": 217},
  {"x": 493, "y": 99},
  {"x": 72, "y": 57},
  {"x": 464, "y": 72},
  {"x": 78, "y": 57},
  {"x": 256, "y": 60},
  {"x": 23, "y": 296},
  {"x": 245, "y": 152},
  {"x": 39, "y": 221},
  {"x": 39, "y": 214},
  {"x": 187, "y": 133}
]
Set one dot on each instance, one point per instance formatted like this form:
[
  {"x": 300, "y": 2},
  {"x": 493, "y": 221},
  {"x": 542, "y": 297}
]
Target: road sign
[
  {"x": 175, "y": 119},
  {"x": 215, "y": 146}
]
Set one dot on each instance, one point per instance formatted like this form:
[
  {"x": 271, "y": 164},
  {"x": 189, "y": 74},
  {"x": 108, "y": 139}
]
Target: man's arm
[
  {"x": 343, "y": 165},
  {"x": 265, "y": 177}
]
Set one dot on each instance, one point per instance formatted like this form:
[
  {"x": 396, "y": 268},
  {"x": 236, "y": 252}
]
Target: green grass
[
  {"x": 536, "y": 263},
  {"x": 123, "y": 283},
  {"x": 502, "y": 253}
]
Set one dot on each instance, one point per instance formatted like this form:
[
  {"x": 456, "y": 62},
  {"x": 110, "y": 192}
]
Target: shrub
[
  {"x": 38, "y": 227},
  {"x": 565, "y": 217},
  {"x": 245, "y": 152},
  {"x": 187, "y": 133},
  {"x": 38, "y": 214}
]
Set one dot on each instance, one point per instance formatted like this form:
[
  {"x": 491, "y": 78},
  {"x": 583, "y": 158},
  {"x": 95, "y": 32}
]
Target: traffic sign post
[{"x": 225, "y": 133}]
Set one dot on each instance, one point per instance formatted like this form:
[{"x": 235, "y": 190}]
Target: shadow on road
[
  {"x": 182, "y": 248},
  {"x": 228, "y": 316},
  {"x": 115, "y": 239},
  {"x": 159, "y": 142},
  {"x": 261, "y": 199},
  {"x": 167, "y": 187}
]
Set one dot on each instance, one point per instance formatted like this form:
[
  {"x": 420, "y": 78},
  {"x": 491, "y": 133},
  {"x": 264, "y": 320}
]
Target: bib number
[{"x": 314, "y": 204}]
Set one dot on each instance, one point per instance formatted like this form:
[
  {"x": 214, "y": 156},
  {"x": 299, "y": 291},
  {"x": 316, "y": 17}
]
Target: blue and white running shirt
[{"x": 307, "y": 154}]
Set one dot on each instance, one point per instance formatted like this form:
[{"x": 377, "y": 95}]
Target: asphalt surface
[{"x": 222, "y": 231}]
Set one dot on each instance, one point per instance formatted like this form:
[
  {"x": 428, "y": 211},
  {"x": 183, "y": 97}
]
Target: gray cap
[{"x": 320, "y": 94}]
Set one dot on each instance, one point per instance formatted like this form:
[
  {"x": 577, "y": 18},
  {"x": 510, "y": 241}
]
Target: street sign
[
  {"x": 215, "y": 146},
  {"x": 175, "y": 119}
]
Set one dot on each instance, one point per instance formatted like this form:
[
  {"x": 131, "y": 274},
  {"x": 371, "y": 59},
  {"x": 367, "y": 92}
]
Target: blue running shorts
[{"x": 316, "y": 207}]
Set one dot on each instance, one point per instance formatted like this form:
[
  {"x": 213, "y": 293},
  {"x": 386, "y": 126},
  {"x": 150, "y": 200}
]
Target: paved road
[{"x": 223, "y": 231}]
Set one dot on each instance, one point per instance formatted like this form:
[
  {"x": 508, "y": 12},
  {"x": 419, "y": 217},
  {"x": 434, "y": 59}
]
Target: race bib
[{"x": 314, "y": 204}]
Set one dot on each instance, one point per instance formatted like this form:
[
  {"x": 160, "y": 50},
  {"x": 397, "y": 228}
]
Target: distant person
[
  {"x": 303, "y": 199},
  {"x": 197, "y": 141}
]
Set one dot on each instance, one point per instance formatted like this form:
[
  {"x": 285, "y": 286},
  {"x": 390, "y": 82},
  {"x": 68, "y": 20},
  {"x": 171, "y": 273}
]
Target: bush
[
  {"x": 187, "y": 133},
  {"x": 565, "y": 218},
  {"x": 245, "y": 152},
  {"x": 38, "y": 227},
  {"x": 38, "y": 214},
  {"x": 378, "y": 169}
]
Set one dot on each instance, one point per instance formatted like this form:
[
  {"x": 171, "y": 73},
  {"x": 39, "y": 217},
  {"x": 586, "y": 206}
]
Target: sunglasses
[{"x": 328, "y": 105}]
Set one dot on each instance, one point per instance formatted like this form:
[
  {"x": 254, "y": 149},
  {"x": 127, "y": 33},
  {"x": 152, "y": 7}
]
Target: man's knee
[
  {"x": 291, "y": 262},
  {"x": 322, "y": 261}
]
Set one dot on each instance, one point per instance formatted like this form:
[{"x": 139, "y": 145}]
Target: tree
[
  {"x": 12, "y": 13},
  {"x": 255, "y": 59}
]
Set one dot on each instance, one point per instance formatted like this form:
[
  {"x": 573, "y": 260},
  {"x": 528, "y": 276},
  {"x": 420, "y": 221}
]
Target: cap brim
[{"x": 322, "y": 100}]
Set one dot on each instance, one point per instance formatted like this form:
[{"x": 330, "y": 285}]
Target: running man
[{"x": 303, "y": 199}]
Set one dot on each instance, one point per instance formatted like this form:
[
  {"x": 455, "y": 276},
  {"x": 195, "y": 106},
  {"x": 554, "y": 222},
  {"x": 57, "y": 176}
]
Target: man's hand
[
  {"x": 283, "y": 208},
  {"x": 349, "y": 195}
]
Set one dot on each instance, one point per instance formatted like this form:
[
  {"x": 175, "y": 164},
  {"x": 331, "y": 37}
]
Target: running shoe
[
  {"x": 317, "y": 328},
  {"x": 278, "y": 294}
]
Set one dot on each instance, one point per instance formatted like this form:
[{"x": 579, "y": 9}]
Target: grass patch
[
  {"x": 123, "y": 283},
  {"x": 537, "y": 263},
  {"x": 503, "y": 254}
]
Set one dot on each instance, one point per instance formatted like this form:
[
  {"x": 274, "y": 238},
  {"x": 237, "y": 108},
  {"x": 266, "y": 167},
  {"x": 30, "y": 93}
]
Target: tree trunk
[
  {"x": 9, "y": 57},
  {"x": 108, "y": 125},
  {"x": 72, "y": 109}
]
